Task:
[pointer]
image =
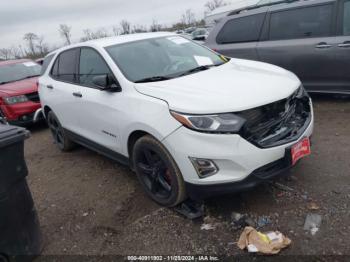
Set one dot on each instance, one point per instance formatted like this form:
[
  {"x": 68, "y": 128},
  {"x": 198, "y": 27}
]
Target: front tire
[
  {"x": 157, "y": 172},
  {"x": 59, "y": 136}
]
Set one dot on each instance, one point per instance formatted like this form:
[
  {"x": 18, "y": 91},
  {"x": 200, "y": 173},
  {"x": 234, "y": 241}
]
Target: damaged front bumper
[
  {"x": 241, "y": 163},
  {"x": 278, "y": 123},
  {"x": 28, "y": 119}
]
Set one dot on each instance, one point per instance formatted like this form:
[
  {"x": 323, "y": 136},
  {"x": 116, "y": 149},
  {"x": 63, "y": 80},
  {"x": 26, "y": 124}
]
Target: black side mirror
[{"x": 106, "y": 83}]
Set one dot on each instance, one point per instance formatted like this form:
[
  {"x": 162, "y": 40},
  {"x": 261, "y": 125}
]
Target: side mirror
[{"x": 106, "y": 83}]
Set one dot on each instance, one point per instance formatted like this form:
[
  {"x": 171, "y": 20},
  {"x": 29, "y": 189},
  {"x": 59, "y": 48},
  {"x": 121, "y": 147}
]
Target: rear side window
[
  {"x": 244, "y": 29},
  {"x": 315, "y": 21},
  {"x": 91, "y": 64},
  {"x": 64, "y": 68},
  {"x": 46, "y": 63},
  {"x": 346, "y": 18}
]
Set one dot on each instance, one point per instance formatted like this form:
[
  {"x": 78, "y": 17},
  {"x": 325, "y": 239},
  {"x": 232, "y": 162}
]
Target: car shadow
[{"x": 37, "y": 127}]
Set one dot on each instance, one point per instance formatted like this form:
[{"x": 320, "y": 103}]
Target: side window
[
  {"x": 91, "y": 64},
  {"x": 346, "y": 18},
  {"x": 244, "y": 29},
  {"x": 64, "y": 68},
  {"x": 314, "y": 21},
  {"x": 54, "y": 70},
  {"x": 46, "y": 63}
]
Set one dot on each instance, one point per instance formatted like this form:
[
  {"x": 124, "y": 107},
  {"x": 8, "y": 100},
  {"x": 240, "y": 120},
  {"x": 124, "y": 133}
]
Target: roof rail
[{"x": 238, "y": 11}]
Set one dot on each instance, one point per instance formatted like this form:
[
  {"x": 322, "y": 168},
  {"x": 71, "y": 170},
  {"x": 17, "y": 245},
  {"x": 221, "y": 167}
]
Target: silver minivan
[{"x": 310, "y": 38}]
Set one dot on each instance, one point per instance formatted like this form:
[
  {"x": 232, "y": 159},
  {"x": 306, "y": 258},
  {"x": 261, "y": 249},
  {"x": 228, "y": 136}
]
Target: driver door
[{"x": 99, "y": 110}]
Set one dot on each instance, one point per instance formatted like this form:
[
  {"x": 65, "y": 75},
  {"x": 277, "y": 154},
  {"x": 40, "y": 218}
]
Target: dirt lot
[{"x": 90, "y": 205}]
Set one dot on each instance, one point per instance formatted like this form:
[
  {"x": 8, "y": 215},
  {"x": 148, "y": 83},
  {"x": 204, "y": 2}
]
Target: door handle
[
  {"x": 345, "y": 44},
  {"x": 77, "y": 94},
  {"x": 49, "y": 86},
  {"x": 323, "y": 45}
]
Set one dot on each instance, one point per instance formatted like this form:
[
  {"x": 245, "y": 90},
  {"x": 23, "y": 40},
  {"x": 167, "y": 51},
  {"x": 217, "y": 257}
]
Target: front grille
[
  {"x": 34, "y": 97},
  {"x": 277, "y": 123}
]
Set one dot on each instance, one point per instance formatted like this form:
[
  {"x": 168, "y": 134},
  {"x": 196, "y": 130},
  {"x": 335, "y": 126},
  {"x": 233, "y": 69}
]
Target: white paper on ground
[
  {"x": 29, "y": 64},
  {"x": 252, "y": 248},
  {"x": 178, "y": 40},
  {"x": 273, "y": 236},
  {"x": 203, "y": 60}
]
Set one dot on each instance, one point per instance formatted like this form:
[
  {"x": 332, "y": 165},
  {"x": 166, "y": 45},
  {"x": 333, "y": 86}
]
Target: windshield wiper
[
  {"x": 196, "y": 69},
  {"x": 153, "y": 79}
]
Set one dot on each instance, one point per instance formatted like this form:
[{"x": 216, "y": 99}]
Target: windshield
[
  {"x": 162, "y": 58},
  {"x": 19, "y": 71}
]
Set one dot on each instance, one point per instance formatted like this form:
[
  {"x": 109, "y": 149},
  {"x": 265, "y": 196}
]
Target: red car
[{"x": 19, "y": 98}]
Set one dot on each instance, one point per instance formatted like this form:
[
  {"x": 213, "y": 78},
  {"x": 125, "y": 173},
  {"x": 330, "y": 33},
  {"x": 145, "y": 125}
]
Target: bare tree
[
  {"x": 31, "y": 39},
  {"x": 125, "y": 27},
  {"x": 65, "y": 32},
  {"x": 90, "y": 35},
  {"x": 213, "y": 4},
  {"x": 42, "y": 47},
  {"x": 155, "y": 27},
  {"x": 16, "y": 52},
  {"x": 87, "y": 35},
  {"x": 5, "y": 53},
  {"x": 22, "y": 51},
  {"x": 139, "y": 29},
  {"x": 116, "y": 30},
  {"x": 188, "y": 18},
  {"x": 101, "y": 33}
]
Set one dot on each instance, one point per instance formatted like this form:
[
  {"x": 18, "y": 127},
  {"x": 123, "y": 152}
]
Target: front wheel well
[{"x": 134, "y": 136}]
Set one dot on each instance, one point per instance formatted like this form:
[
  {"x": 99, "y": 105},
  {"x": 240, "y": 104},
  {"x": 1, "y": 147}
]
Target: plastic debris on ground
[
  {"x": 313, "y": 206},
  {"x": 266, "y": 243},
  {"x": 208, "y": 227},
  {"x": 283, "y": 187},
  {"x": 242, "y": 220},
  {"x": 190, "y": 209},
  {"x": 312, "y": 223}
]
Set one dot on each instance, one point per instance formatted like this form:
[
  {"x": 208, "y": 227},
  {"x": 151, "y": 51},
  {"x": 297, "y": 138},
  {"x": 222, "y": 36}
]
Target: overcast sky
[{"x": 43, "y": 17}]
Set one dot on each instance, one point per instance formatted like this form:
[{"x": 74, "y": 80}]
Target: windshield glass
[
  {"x": 162, "y": 58},
  {"x": 15, "y": 72}
]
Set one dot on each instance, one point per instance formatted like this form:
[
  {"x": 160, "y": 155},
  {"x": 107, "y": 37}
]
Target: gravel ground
[{"x": 90, "y": 205}]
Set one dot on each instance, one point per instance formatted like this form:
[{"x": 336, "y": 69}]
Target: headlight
[
  {"x": 218, "y": 123},
  {"x": 15, "y": 99}
]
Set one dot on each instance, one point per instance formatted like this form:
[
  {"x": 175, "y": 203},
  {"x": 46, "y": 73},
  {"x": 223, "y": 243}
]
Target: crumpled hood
[
  {"x": 19, "y": 87},
  {"x": 238, "y": 85}
]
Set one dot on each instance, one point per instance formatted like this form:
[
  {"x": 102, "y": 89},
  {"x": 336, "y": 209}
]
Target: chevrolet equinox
[{"x": 188, "y": 121}]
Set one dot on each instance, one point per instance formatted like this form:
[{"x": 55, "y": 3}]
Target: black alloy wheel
[{"x": 158, "y": 172}]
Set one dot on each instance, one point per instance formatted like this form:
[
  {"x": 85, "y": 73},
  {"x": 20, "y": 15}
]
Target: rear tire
[
  {"x": 59, "y": 136},
  {"x": 157, "y": 172}
]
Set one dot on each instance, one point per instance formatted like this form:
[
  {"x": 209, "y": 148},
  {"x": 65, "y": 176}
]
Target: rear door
[
  {"x": 343, "y": 47},
  {"x": 237, "y": 36},
  {"x": 302, "y": 39},
  {"x": 61, "y": 91}
]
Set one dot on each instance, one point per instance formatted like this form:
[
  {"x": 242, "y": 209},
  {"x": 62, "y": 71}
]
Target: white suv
[{"x": 189, "y": 121}]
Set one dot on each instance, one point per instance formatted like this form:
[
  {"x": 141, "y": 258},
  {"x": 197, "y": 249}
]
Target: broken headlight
[{"x": 301, "y": 92}]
